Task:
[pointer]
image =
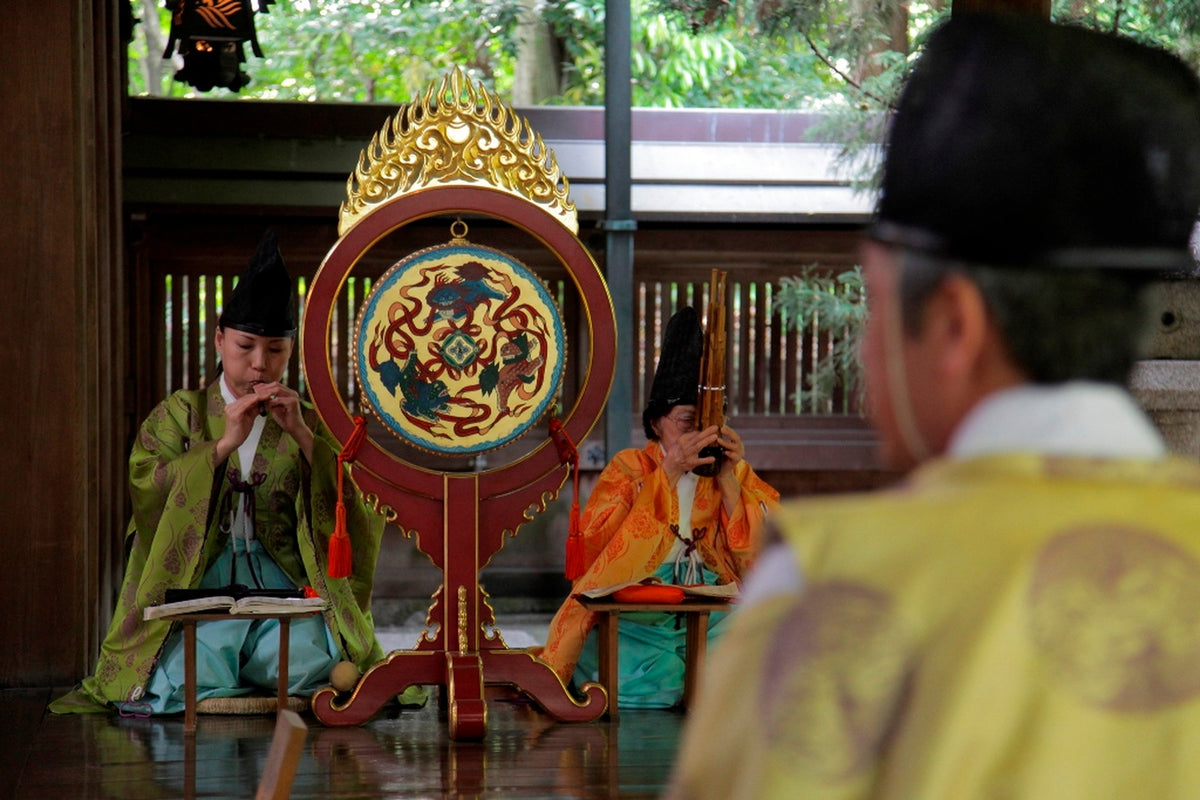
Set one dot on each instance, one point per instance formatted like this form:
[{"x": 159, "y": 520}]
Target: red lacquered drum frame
[{"x": 459, "y": 520}]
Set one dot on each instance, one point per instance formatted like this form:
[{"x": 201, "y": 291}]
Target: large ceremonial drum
[{"x": 459, "y": 349}]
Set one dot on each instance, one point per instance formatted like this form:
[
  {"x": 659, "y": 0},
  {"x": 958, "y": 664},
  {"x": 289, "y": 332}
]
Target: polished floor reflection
[{"x": 399, "y": 754}]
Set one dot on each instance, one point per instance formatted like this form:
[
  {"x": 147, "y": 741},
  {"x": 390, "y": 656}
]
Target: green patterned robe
[{"x": 180, "y": 498}]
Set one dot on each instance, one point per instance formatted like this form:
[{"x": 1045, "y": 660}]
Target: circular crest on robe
[{"x": 460, "y": 349}]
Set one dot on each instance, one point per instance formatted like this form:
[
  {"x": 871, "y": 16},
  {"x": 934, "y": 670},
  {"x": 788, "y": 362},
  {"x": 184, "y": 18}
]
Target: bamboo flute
[{"x": 711, "y": 401}]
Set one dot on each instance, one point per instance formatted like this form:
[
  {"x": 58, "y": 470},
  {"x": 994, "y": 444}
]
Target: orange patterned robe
[{"x": 627, "y": 535}]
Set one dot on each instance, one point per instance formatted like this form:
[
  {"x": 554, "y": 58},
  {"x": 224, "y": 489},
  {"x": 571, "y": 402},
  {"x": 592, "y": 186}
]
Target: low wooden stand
[
  {"x": 696, "y": 612},
  {"x": 188, "y": 621}
]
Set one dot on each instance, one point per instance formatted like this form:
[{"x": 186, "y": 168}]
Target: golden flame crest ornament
[
  {"x": 457, "y": 134},
  {"x": 460, "y": 348}
]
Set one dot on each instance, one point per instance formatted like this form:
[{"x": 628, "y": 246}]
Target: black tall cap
[
  {"x": 264, "y": 301},
  {"x": 677, "y": 377},
  {"x": 1021, "y": 142}
]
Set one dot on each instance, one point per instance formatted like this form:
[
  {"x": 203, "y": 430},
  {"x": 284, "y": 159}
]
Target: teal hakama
[
  {"x": 241, "y": 656},
  {"x": 651, "y": 650}
]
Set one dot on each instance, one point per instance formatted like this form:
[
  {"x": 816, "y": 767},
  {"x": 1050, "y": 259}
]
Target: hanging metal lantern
[{"x": 211, "y": 35}]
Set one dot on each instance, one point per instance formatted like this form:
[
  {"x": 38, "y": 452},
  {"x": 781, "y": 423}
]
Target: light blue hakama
[
  {"x": 651, "y": 647},
  {"x": 240, "y": 657}
]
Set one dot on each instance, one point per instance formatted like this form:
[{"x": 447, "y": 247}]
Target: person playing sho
[
  {"x": 649, "y": 516},
  {"x": 1020, "y": 617},
  {"x": 236, "y": 484}
]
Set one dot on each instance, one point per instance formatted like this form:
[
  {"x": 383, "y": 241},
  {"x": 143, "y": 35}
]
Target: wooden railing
[{"x": 768, "y": 361}]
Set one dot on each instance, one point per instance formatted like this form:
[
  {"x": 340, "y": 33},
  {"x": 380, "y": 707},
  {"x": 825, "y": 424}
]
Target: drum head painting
[{"x": 460, "y": 349}]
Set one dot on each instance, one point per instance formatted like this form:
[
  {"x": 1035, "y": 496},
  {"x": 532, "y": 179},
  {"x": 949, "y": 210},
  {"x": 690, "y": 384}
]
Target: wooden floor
[{"x": 400, "y": 754}]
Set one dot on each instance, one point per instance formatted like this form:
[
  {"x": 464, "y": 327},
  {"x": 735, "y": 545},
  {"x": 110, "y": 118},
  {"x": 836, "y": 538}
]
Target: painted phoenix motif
[{"x": 460, "y": 349}]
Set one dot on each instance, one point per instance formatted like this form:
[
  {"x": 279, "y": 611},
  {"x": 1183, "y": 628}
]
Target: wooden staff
[{"x": 711, "y": 400}]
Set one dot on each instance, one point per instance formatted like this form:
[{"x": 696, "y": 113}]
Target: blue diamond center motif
[{"x": 459, "y": 350}]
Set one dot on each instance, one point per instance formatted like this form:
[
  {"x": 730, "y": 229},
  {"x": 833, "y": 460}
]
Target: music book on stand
[{"x": 235, "y": 599}]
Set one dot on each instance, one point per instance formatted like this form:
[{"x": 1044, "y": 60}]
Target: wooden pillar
[
  {"x": 62, "y": 311},
  {"x": 619, "y": 223}
]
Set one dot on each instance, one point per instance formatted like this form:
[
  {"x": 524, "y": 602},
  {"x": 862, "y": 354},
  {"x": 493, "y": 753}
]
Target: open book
[
  {"x": 718, "y": 591},
  {"x": 234, "y": 599}
]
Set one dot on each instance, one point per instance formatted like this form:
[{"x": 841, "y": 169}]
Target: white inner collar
[
  {"x": 247, "y": 448},
  {"x": 1082, "y": 419}
]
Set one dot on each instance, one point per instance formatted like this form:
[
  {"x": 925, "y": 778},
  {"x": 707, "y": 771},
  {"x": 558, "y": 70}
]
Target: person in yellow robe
[
  {"x": 650, "y": 515},
  {"x": 1019, "y": 617}
]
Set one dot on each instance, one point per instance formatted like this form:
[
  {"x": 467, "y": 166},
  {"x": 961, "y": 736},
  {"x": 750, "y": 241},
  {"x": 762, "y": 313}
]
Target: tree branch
[{"x": 834, "y": 68}]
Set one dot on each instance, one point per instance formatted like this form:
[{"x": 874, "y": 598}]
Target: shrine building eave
[{"x": 718, "y": 166}]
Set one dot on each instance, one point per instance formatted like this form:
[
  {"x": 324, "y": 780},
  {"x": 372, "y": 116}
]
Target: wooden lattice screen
[{"x": 768, "y": 362}]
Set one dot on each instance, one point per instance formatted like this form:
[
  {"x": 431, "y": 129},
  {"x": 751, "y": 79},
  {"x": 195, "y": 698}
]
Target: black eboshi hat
[
  {"x": 677, "y": 376},
  {"x": 1021, "y": 142},
  {"x": 264, "y": 300}
]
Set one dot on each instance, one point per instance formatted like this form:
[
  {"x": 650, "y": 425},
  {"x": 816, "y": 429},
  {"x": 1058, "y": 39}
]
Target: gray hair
[{"x": 1058, "y": 324}]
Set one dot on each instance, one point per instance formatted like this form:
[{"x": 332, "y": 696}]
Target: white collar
[
  {"x": 245, "y": 449},
  {"x": 226, "y": 392},
  {"x": 1074, "y": 419}
]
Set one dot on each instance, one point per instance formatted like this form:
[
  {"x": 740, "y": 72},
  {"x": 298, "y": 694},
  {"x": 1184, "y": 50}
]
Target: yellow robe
[
  {"x": 627, "y": 535},
  {"x": 1009, "y": 626}
]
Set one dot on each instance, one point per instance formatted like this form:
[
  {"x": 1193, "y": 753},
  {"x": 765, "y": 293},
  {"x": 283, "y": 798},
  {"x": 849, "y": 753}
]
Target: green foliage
[
  {"x": 728, "y": 64},
  {"x": 370, "y": 50},
  {"x": 149, "y": 72},
  {"x": 388, "y": 50},
  {"x": 833, "y": 309},
  {"x": 379, "y": 51},
  {"x": 845, "y": 57},
  {"x": 857, "y": 43},
  {"x": 1172, "y": 24},
  {"x": 579, "y": 26},
  {"x": 670, "y": 66}
]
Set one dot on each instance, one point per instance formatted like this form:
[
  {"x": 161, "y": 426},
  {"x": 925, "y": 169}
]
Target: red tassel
[
  {"x": 575, "y": 554},
  {"x": 340, "y": 559},
  {"x": 339, "y": 546}
]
